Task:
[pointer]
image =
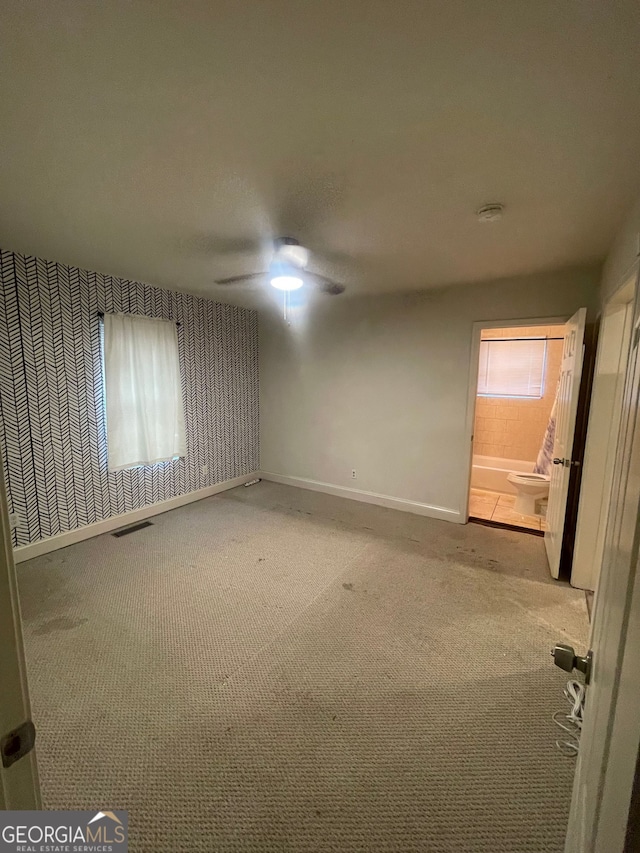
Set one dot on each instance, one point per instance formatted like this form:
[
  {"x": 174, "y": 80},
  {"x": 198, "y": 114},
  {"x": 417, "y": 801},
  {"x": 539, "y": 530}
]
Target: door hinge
[{"x": 17, "y": 743}]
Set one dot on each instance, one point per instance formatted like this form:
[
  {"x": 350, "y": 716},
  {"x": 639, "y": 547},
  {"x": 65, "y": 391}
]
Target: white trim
[
  {"x": 604, "y": 416},
  {"x": 70, "y": 537},
  {"x": 366, "y": 497}
]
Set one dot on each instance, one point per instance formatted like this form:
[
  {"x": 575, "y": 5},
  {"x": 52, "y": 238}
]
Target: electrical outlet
[
  {"x": 204, "y": 469},
  {"x": 14, "y": 520},
  {"x": 353, "y": 474}
]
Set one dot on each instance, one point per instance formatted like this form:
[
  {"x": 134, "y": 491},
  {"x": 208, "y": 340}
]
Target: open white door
[
  {"x": 566, "y": 410},
  {"x": 18, "y": 773},
  {"x": 611, "y": 732}
]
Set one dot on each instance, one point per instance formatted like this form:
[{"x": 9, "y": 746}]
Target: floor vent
[{"x": 124, "y": 530}]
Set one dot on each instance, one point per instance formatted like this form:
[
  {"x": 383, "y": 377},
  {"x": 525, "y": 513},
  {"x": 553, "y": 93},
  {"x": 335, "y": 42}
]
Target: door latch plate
[{"x": 17, "y": 743}]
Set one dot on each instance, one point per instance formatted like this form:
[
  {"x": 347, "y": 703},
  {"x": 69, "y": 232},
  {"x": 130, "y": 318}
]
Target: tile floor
[{"x": 495, "y": 506}]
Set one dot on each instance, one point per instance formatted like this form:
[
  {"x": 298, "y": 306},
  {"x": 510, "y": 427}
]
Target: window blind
[{"x": 512, "y": 368}]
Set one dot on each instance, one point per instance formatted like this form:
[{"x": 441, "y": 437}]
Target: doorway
[{"x": 518, "y": 373}]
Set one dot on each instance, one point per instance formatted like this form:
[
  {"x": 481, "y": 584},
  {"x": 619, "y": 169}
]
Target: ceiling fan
[{"x": 288, "y": 270}]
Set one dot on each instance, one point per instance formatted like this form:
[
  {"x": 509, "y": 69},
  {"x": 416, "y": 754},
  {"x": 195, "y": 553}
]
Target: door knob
[
  {"x": 565, "y": 657},
  {"x": 17, "y": 743},
  {"x": 565, "y": 462}
]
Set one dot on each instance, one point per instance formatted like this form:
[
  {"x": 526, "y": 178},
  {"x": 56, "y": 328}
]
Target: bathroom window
[{"x": 512, "y": 368}]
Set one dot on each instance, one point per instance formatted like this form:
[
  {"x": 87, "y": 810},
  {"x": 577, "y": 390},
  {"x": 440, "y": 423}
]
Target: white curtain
[{"x": 145, "y": 415}]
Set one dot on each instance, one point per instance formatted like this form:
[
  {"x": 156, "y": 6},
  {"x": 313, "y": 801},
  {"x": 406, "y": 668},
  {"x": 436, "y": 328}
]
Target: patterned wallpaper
[{"x": 52, "y": 424}]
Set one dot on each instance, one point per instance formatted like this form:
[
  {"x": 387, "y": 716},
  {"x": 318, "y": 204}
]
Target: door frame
[
  {"x": 607, "y": 768},
  {"x": 472, "y": 393},
  {"x": 19, "y": 784},
  {"x": 600, "y": 448}
]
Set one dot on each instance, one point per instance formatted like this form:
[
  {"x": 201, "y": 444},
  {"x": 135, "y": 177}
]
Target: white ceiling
[{"x": 154, "y": 140}]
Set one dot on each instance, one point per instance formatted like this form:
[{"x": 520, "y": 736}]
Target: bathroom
[{"x": 518, "y": 376}]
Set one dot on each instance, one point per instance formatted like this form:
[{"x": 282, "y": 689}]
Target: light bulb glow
[{"x": 286, "y": 282}]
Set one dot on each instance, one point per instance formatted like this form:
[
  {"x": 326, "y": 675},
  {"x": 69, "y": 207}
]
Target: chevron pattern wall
[{"x": 52, "y": 422}]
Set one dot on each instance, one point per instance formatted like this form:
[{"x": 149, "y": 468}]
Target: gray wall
[
  {"x": 381, "y": 384},
  {"x": 623, "y": 256},
  {"x": 52, "y": 423}
]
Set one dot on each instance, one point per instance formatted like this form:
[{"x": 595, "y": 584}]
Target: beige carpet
[{"x": 273, "y": 669}]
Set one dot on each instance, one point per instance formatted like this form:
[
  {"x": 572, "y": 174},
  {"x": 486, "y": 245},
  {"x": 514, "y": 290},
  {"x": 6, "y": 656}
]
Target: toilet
[{"x": 529, "y": 489}]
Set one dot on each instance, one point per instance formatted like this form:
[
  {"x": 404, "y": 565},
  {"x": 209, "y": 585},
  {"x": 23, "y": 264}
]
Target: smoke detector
[{"x": 490, "y": 212}]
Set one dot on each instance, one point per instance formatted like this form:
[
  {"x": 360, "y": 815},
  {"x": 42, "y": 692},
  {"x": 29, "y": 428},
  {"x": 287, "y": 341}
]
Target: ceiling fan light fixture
[
  {"x": 286, "y": 282},
  {"x": 284, "y": 276},
  {"x": 287, "y": 271}
]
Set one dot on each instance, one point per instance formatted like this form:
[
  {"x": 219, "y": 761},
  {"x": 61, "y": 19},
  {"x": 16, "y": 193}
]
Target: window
[
  {"x": 512, "y": 368},
  {"x": 145, "y": 416}
]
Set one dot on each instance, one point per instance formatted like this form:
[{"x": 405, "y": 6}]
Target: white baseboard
[
  {"x": 70, "y": 537},
  {"x": 367, "y": 497}
]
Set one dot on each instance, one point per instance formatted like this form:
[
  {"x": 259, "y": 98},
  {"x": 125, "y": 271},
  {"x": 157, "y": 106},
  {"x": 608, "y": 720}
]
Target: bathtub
[{"x": 490, "y": 472}]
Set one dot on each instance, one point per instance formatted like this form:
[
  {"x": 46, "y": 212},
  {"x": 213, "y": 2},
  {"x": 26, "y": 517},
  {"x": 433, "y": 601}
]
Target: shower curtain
[{"x": 545, "y": 456}]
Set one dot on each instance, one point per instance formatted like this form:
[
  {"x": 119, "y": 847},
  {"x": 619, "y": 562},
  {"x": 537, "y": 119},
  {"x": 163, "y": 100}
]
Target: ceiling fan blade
[
  {"x": 325, "y": 285},
  {"x": 237, "y": 279}
]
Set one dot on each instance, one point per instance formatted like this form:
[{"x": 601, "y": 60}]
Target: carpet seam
[{"x": 278, "y": 636}]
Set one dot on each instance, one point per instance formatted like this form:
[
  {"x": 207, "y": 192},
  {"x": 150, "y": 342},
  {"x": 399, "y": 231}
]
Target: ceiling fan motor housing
[{"x": 289, "y": 250}]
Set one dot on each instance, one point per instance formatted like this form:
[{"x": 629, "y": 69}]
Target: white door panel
[
  {"x": 602, "y": 440},
  {"x": 566, "y": 411}
]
